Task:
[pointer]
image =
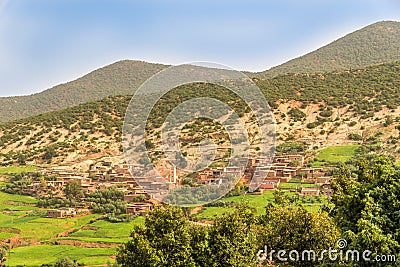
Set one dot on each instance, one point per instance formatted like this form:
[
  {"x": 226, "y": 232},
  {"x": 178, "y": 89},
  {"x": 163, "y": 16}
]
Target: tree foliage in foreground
[
  {"x": 235, "y": 238},
  {"x": 367, "y": 208}
]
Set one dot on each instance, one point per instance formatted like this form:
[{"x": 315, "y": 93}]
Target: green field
[
  {"x": 335, "y": 154},
  {"x": 105, "y": 232},
  {"x": 11, "y": 202},
  {"x": 19, "y": 217},
  {"x": 16, "y": 169},
  {"x": 49, "y": 254},
  {"x": 45, "y": 228},
  {"x": 42, "y": 246}
]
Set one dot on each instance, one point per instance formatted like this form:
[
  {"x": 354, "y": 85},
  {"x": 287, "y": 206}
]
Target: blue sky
[{"x": 47, "y": 42}]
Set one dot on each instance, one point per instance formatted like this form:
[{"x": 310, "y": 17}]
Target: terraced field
[
  {"x": 335, "y": 154},
  {"x": 37, "y": 240}
]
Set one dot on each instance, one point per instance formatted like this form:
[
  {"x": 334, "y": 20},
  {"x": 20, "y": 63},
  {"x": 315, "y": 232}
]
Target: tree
[
  {"x": 296, "y": 114},
  {"x": 354, "y": 137},
  {"x": 3, "y": 254},
  {"x": 295, "y": 228},
  {"x": 109, "y": 200},
  {"x": 73, "y": 190},
  {"x": 281, "y": 198},
  {"x": 22, "y": 159},
  {"x": 65, "y": 262},
  {"x": 367, "y": 208},
  {"x": 294, "y": 163},
  {"x": 164, "y": 241},
  {"x": 49, "y": 153},
  {"x": 233, "y": 240}
]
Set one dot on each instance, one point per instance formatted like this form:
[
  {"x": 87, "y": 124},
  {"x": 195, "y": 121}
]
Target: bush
[
  {"x": 296, "y": 114},
  {"x": 354, "y": 137},
  {"x": 65, "y": 262},
  {"x": 352, "y": 123},
  {"x": 326, "y": 113},
  {"x": 291, "y": 147}
]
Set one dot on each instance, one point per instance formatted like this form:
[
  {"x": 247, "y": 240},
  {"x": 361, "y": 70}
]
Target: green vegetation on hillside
[
  {"x": 374, "y": 44},
  {"x": 96, "y": 126},
  {"x": 120, "y": 78},
  {"x": 365, "y": 90},
  {"x": 63, "y": 131}
]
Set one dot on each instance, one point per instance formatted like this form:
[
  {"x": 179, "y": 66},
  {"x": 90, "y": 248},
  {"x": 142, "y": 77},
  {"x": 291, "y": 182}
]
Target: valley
[{"x": 66, "y": 190}]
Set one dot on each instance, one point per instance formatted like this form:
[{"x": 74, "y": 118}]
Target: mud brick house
[
  {"x": 89, "y": 188},
  {"x": 324, "y": 179},
  {"x": 210, "y": 175},
  {"x": 139, "y": 208},
  {"x": 312, "y": 172},
  {"x": 61, "y": 213},
  {"x": 269, "y": 185},
  {"x": 31, "y": 189},
  {"x": 310, "y": 192},
  {"x": 234, "y": 171},
  {"x": 131, "y": 198},
  {"x": 289, "y": 158}
]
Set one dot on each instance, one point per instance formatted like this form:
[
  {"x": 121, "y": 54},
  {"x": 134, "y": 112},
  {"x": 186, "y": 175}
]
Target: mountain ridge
[
  {"x": 124, "y": 77},
  {"x": 127, "y": 76},
  {"x": 347, "y": 52}
]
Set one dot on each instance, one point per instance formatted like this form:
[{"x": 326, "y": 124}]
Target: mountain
[
  {"x": 362, "y": 103},
  {"x": 120, "y": 78},
  {"x": 373, "y": 44}
]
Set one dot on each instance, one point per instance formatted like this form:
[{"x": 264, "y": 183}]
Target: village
[{"x": 105, "y": 174}]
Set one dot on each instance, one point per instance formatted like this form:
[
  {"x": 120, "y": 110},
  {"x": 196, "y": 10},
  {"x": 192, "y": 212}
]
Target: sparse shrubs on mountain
[{"x": 291, "y": 147}]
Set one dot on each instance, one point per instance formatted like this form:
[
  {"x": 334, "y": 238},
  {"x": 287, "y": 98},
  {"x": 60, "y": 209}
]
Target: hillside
[
  {"x": 374, "y": 44},
  {"x": 120, "y": 78},
  {"x": 351, "y": 107}
]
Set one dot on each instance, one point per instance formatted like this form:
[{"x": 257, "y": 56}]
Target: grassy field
[
  {"x": 96, "y": 232},
  {"x": 105, "y": 232},
  {"x": 42, "y": 246},
  {"x": 11, "y": 202},
  {"x": 16, "y": 169},
  {"x": 335, "y": 154},
  {"x": 49, "y": 254},
  {"x": 19, "y": 217}
]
